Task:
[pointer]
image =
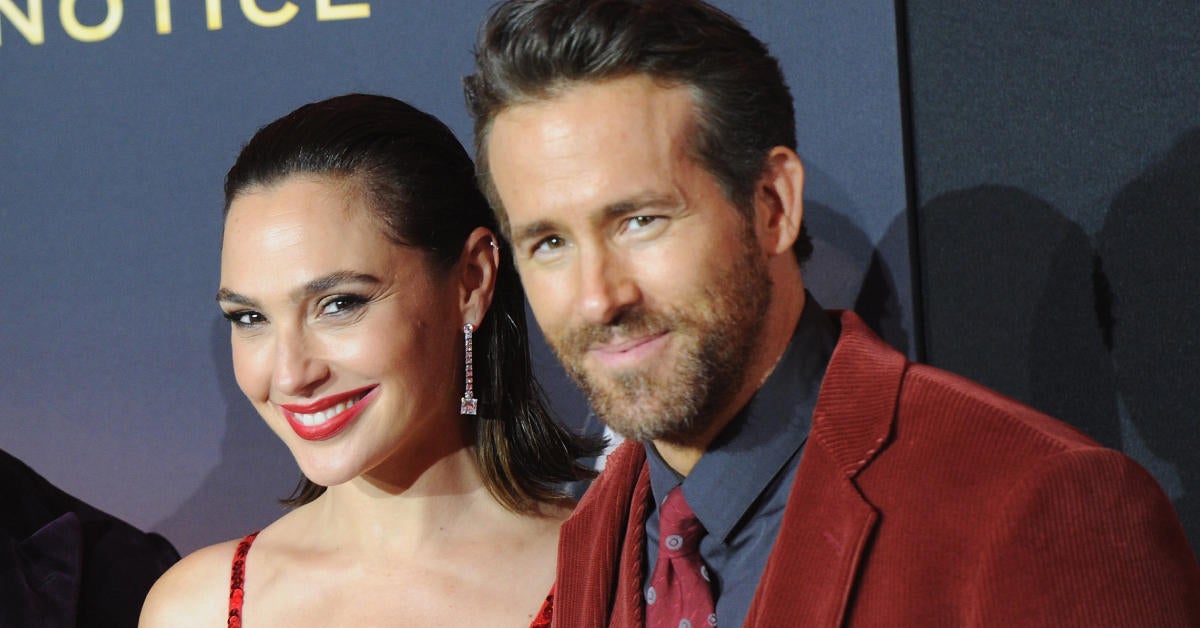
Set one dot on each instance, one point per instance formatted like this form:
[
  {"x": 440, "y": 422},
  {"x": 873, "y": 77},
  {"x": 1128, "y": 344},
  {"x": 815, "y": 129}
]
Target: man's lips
[
  {"x": 327, "y": 416},
  {"x": 628, "y": 351}
]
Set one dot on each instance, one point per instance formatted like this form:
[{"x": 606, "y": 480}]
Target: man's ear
[
  {"x": 478, "y": 266},
  {"x": 779, "y": 201}
]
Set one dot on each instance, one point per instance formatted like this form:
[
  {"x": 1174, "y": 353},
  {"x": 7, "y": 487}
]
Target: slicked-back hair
[
  {"x": 533, "y": 50},
  {"x": 419, "y": 183}
]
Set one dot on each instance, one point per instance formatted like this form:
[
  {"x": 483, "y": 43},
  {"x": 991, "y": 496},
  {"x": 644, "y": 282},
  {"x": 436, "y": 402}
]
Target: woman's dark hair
[
  {"x": 532, "y": 50},
  {"x": 419, "y": 181}
]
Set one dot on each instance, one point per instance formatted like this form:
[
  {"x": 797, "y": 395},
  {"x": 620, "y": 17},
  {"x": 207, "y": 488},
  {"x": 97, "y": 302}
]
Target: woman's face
[{"x": 346, "y": 343}]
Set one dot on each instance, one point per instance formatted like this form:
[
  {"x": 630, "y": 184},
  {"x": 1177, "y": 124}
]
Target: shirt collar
[{"x": 765, "y": 434}]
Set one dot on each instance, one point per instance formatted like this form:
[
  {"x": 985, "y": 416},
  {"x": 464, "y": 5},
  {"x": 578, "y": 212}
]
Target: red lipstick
[{"x": 321, "y": 428}]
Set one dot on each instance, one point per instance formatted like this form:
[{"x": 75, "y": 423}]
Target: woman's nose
[{"x": 298, "y": 372}]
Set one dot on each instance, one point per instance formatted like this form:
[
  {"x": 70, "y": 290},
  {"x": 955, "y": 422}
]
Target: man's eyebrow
[
  {"x": 608, "y": 212},
  {"x": 318, "y": 285},
  {"x": 635, "y": 204},
  {"x": 533, "y": 230}
]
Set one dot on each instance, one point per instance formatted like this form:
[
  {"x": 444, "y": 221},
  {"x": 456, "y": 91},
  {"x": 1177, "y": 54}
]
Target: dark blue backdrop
[{"x": 114, "y": 139}]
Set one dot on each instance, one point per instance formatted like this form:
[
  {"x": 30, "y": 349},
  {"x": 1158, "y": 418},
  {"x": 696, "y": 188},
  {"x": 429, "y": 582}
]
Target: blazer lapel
[
  {"x": 629, "y": 611},
  {"x": 828, "y": 523},
  {"x": 813, "y": 566},
  {"x": 592, "y": 542}
]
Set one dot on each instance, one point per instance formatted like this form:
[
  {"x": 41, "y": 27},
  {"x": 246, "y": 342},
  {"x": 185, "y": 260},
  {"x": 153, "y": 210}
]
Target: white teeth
[{"x": 317, "y": 418}]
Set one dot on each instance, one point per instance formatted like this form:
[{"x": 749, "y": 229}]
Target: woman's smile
[{"x": 327, "y": 416}]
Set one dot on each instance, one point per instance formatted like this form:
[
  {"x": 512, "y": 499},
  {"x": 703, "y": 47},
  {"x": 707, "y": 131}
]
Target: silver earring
[{"x": 469, "y": 403}]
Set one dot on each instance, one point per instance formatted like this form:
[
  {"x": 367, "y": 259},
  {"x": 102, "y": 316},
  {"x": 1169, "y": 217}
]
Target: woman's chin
[{"x": 325, "y": 474}]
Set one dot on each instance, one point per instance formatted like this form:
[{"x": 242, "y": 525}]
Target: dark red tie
[{"x": 679, "y": 595}]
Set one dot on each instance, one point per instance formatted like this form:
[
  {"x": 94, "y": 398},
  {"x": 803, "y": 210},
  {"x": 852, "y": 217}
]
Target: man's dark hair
[
  {"x": 419, "y": 184},
  {"x": 531, "y": 50}
]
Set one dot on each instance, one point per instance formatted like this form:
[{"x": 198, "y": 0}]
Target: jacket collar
[
  {"x": 828, "y": 523},
  {"x": 590, "y": 574},
  {"x": 856, "y": 408}
]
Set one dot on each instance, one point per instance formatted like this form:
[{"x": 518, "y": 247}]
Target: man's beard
[{"x": 714, "y": 340}]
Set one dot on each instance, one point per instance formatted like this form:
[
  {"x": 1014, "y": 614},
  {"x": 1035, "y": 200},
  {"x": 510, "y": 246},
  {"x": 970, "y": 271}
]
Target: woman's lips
[{"x": 327, "y": 416}]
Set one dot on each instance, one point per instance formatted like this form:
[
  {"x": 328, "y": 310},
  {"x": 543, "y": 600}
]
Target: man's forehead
[
  {"x": 587, "y": 140},
  {"x": 635, "y": 101}
]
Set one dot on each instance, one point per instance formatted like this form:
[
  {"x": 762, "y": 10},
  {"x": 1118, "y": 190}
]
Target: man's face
[{"x": 648, "y": 283}]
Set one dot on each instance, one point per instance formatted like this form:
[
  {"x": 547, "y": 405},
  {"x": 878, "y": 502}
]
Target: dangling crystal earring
[{"x": 469, "y": 403}]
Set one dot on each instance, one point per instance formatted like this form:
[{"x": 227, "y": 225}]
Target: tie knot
[{"x": 679, "y": 528}]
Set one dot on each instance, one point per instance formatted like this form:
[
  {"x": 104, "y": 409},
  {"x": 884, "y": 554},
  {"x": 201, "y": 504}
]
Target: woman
[{"x": 378, "y": 328}]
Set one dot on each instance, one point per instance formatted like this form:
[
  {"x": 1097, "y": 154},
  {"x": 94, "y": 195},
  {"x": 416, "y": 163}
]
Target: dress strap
[
  {"x": 543, "y": 618},
  {"x": 237, "y": 581}
]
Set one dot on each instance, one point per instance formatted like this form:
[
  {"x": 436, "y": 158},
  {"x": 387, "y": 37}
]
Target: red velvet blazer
[{"x": 922, "y": 499}]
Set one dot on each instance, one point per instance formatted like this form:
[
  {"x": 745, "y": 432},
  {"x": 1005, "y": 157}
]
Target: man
[{"x": 641, "y": 156}]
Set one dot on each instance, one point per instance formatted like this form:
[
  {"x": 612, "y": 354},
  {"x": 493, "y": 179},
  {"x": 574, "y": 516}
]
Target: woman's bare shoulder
[
  {"x": 193, "y": 592},
  {"x": 552, "y": 514}
]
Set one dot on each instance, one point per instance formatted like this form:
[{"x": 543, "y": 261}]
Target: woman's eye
[
  {"x": 245, "y": 318},
  {"x": 341, "y": 304}
]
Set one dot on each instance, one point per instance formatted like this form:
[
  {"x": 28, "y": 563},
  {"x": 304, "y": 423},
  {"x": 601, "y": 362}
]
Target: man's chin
[
  {"x": 645, "y": 422},
  {"x": 639, "y": 405},
  {"x": 644, "y": 432}
]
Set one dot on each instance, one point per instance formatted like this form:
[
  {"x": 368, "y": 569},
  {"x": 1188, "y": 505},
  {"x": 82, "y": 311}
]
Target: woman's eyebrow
[
  {"x": 225, "y": 295},
  {"x": 318, "y": 285},
  {"x": 332, "y": 280}
]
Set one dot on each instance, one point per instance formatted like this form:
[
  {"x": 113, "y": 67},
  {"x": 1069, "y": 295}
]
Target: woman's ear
[
  {"x": 779, "y": 201},
  {"x": 478, "y": 266}
]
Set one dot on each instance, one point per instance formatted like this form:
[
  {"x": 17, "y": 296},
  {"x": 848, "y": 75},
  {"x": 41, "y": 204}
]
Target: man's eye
[
  {"x": 245, "y": 318},
  {"x": 641, "y": 222},
  {"x": 549, "y": 245},
  {"x": 644, "y": 227},
  {"x": 341, "y": 304}
]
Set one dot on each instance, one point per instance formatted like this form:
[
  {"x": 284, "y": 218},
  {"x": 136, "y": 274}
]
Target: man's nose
[{"x": 607, "y": 286}]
